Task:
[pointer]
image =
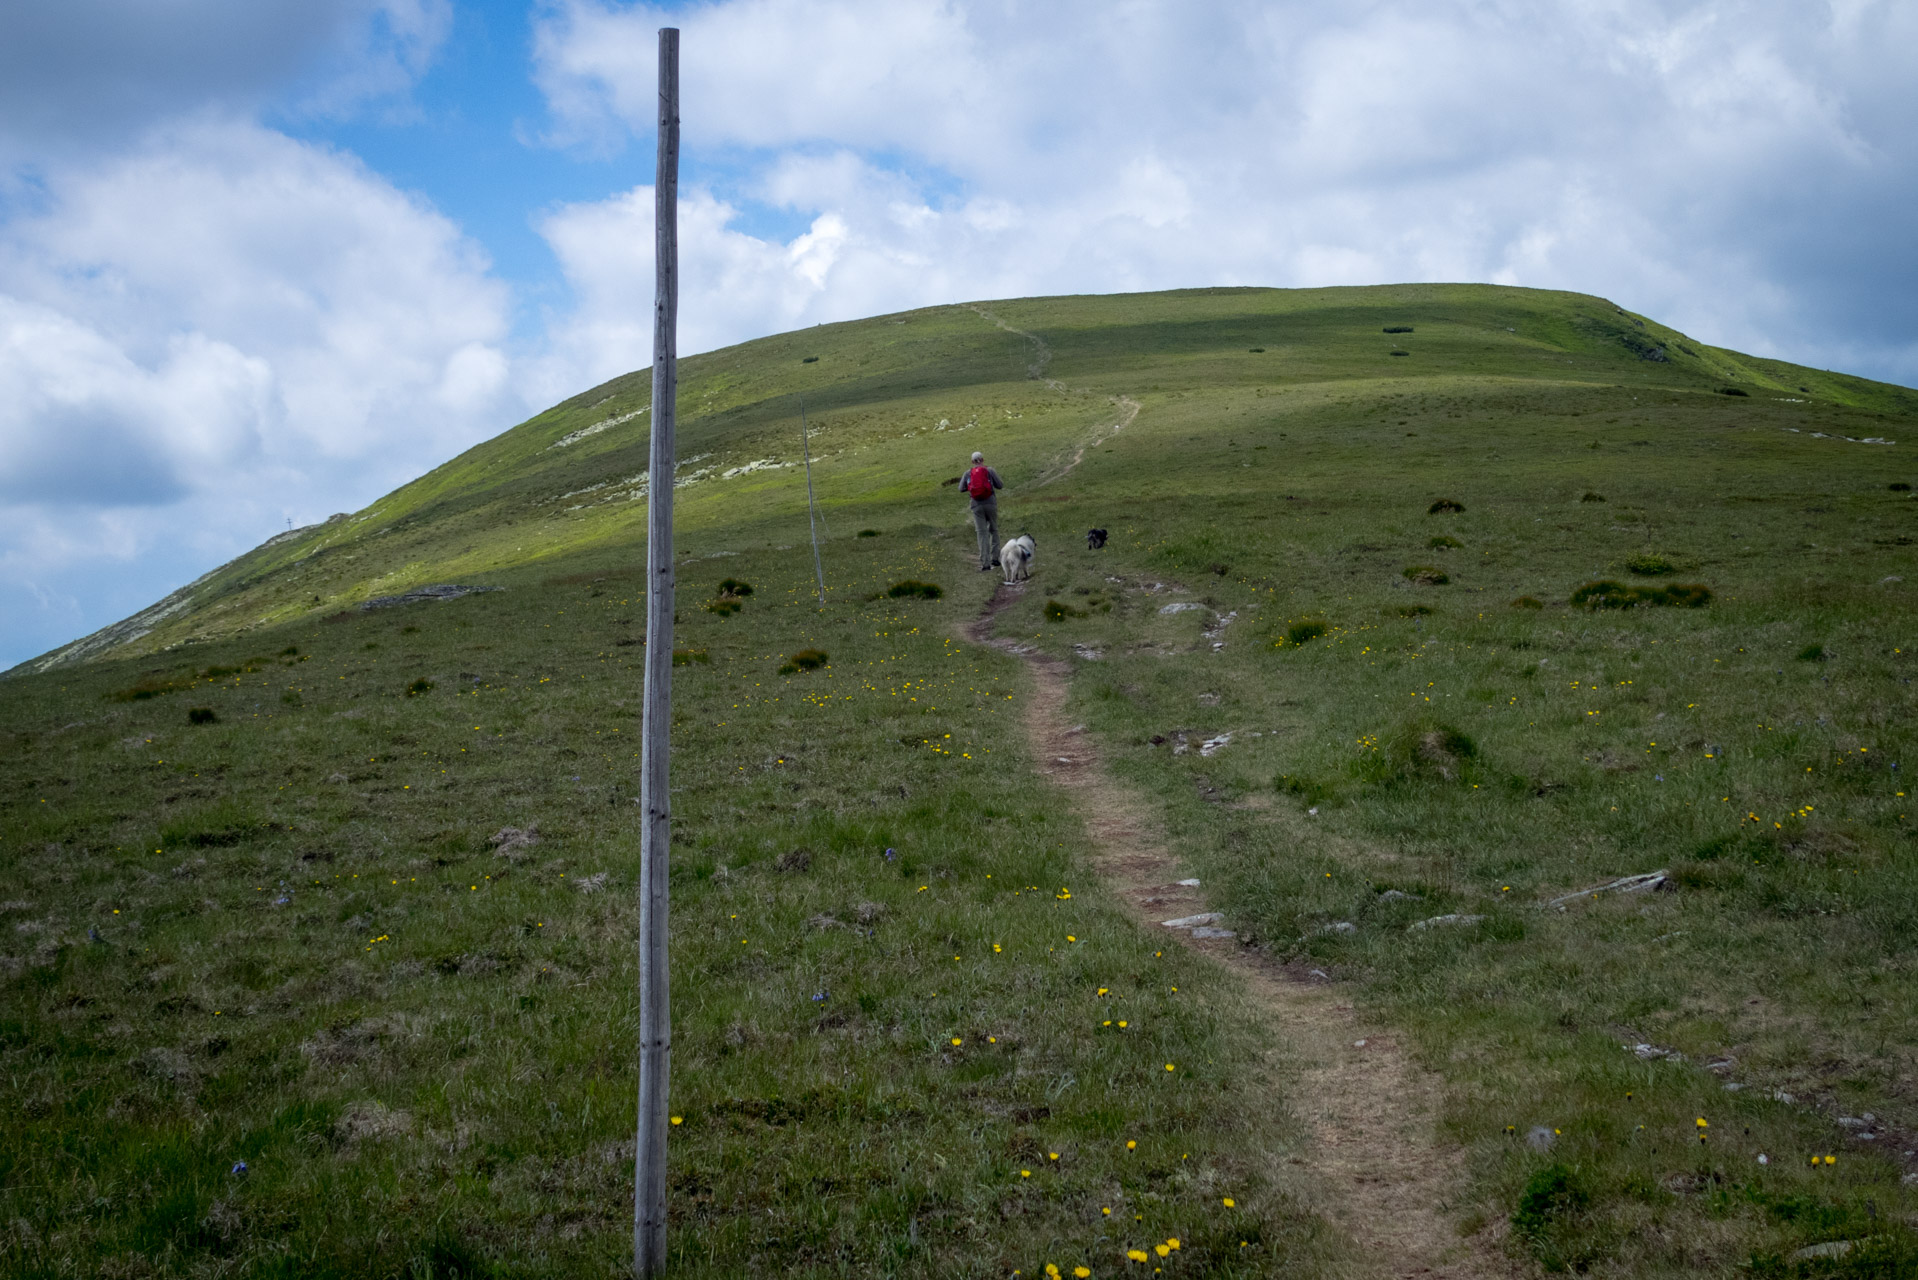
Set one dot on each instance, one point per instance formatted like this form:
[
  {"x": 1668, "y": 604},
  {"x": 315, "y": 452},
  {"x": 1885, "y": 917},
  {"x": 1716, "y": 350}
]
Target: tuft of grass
[
  {"x": 419, "y": 687},
  {"x": 1548, "y": 1220},
  {"x": 1415, "y": 610},
  {"x": 1397, "y": 328},
  {"x": 1732, "y": 391},
  {"x": 1426, "y": 575},
  {"x": 804, "y": 660},
  {"x": 1304, "y": 631},
  {"x": 688, "y": 657},
  {"x": 733, "y": 587},
  {"x": 724, "y": 606},
  {"x": 913, "y": 588},
  {"x": 867, "y": 533},
  {"x": 1650, "y": 566},
  {"x": 1812, "y": 653},
  {"x": 1899, "y": 486},
  {"x": 202, "y": 715},
  {"x": 1444, "y": 505},
  {"x": 1528, "y": 602},
  {"x": 1444, "y": 542},
  {"x": 1591, "y": 496},
  {"x": 1058, "y": 611}
]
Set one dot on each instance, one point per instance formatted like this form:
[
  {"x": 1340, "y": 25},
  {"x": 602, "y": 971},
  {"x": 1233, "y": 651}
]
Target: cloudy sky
[{"x": 262, "y": 260}]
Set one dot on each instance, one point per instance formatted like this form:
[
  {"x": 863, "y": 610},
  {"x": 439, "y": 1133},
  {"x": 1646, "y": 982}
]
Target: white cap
[{"x": 978, "y": 457}]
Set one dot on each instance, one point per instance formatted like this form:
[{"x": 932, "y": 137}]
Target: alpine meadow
[{"x": 1519, "y": 687}]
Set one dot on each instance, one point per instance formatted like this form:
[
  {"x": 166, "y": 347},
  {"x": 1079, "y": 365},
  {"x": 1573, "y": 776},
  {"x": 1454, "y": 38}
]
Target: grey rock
[{"x": 1541, "y": 1138}]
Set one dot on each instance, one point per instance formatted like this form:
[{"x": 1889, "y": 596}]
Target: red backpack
[{"x": 979, "y": 483}]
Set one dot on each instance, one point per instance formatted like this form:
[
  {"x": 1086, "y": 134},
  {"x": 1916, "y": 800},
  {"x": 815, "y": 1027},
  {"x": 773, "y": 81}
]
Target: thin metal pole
[
  {"x": 812, "y": 520},
  {"x": 655, "y": 1017}
]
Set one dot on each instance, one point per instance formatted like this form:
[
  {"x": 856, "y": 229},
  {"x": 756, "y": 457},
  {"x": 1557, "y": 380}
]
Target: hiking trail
[
  {"x": 1373, "y": 1164},
  {"x": 1042, "y": 356}
]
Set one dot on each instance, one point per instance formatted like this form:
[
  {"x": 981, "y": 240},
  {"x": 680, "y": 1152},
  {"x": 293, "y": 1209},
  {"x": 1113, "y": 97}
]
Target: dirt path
[
  {"x": 1042, "y": 356},
  {"x": 1375, "y": 1165}
]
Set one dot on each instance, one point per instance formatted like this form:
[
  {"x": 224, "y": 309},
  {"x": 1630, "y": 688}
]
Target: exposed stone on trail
[
  {"x": 1191, "y": 922},
  {"x": 1211, "y": 746}
]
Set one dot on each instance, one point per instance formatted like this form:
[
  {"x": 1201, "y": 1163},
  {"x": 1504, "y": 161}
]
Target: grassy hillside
[{"x": 293, "y": 933}]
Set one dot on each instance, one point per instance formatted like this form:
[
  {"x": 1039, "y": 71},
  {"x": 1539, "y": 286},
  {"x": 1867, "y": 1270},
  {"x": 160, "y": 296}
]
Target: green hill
[{"x": 1425, "y": 608}]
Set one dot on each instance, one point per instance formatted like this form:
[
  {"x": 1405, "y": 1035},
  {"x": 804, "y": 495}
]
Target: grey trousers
[{"x": 985, "y": 520}]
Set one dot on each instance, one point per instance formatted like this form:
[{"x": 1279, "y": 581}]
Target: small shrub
[
  {"x": 1899, "y": 486},
  {"x": 419, "y": 687},
  {"x": 1528, "y": 602},
  {"x": 1812, "y": 653},
  {"x": 1055, "y": 611},
  {"x": 408, "y": 630},
  {"x": 809, "y": 359},
  {"x": 202, "y": 715},
  {"x": 1444, "y": 504},
  {"x": 1426, "y": 575},
  {"x": 686, "y": 657},
  {"x": 867, "y": 533},
  {"x": 1732, "y": 391},
  {"x": 290, "y": 651},
  {"x": 1398, "y": 328},
  {"x": 1444, "y": 542},
  {"x": 733, "y": 587},
  {"x": 1309, "y": 790},
  {"x": 1219, "y": 568},
  {"x": 724, "y": 606},
  {"x": 1257, "y": 351},
  {"x": 804, "y": 660},
  {"x": 1398, "y": 353},
  {"x": 1686, "y": 595},
  {"x": 1589, "y": 496},
  {"x": 1605, "y": 594},
  {"x": 1650, "y": 566},
  {"x": 794, "y": 861},
  {"x": 1304, "y": 631},
  {"x": 912, "y": 587},
  {"x": 1415, "y": 610}
]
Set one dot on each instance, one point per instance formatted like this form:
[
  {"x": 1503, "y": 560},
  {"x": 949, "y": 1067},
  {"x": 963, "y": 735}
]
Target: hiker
[{"x": 982, "y": 485}]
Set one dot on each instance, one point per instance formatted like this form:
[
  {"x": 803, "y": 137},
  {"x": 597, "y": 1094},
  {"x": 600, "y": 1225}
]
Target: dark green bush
[
  {"x": 1415, "y": 610},
  {"x": 1528, "y": 602},
  {"x": 1428, "y": 575},
  {"x": 913, "y": 587},
  {"x": 724, "y": 606},
  {"x": 1589, "y": 496},
  {"x": 1899, "y": 486},
  {"x": 418, "y": 687},
  {"x": 1732, "y": 391},
  {"x": 804, "y": 660},
  {"x": 202, "y": 715},
  {"x": 733, "y": 587},
  {"x": 1398, "y": 328},
  {"x": 867, "y": 533},
  {"x": 1606, "y": 594},
  {"x": 1551, "y": 1210},
  {"x": 1444, "y": 541},
  {"x": 1305, "y": 630},
  {"x": 1443, "y": 505},
  {"x": 1650, "y": 566},
  {"x": 1812, "y": 653},
  {"x": 1057, "y": 612}
]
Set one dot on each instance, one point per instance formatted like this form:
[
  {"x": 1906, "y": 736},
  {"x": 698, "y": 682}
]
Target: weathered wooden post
[{"x": 656, "y": 719}]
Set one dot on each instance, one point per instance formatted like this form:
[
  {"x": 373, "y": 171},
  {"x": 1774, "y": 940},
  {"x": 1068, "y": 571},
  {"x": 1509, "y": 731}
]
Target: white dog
[{"x": 1016, "y": 558}]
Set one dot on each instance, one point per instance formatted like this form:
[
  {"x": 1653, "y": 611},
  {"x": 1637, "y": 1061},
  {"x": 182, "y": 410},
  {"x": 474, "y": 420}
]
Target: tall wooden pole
[{"x": 655, "y": 1020}]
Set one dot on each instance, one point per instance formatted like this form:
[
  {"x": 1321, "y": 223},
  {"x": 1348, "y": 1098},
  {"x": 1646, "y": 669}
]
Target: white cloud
[
  {"x": 1728, "y": 166},
  {"x": 221, "y": 328}
]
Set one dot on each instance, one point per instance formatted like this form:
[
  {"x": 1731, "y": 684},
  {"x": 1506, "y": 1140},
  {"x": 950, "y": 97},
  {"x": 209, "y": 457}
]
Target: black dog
[{"x": 1095, "y": 538}]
